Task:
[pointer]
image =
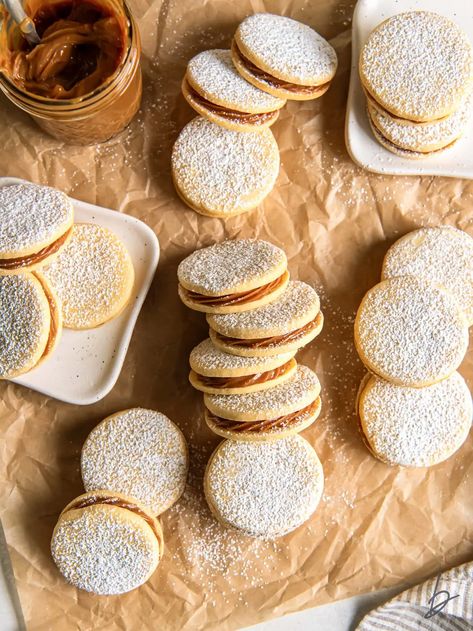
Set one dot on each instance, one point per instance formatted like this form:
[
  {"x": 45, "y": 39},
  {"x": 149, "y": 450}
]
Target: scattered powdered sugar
[
  {"x": 265, "y": 490},
  {"x": 442, "y": 255},
  {"x": 31, "y": 215},
  {"x": 297, "y": 306},
  {"x": 223, "y": 171},
  {"x": 101, "y": 552},
  {"x": 410, "y": 331},
  {"x": 417, "y": 64},
  {"x": 416, "y": 427},
  {"x": 292, "y": 395},
  {"x": 213, "y": 73},
  {"x": 137, "y": 452},
  {"x": 22, "y": 322},
  {"x": 207, "y": 359},
  {"x": 290, "y": 50},
  {"x": 92, "y": 275},
  {"x": 222, "y": 267}
]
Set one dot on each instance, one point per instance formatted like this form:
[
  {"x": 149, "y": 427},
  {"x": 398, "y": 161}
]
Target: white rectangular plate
[
  {"x": 86, "y": 364},
  {"x": 456, "y": 161}
]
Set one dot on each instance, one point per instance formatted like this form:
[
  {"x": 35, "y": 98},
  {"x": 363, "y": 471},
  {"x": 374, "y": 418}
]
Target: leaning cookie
[
  {"x": 283, "y": 57},
  {"x": 265, "y": 491},
  {"x": 270, "y": 414},
  {"x": 35, "y": 223},
  {"x": 441, "y": 255},
  {"x": 93, "y": 276},
  {"x": 106, "y": 543},
  {"x": 221, "y": 173},
  {"x": 233, "y": 276},
  {"x": 140, "y": 453},
  {"x": 30, "y": 322},
  {"x": 415, "y": 427},
  {"x": 285, "y": 325},
  {"x": 410, "y": 332},
  {"x": 214, "y": 89},
  {"x": 216, "y": 372}
]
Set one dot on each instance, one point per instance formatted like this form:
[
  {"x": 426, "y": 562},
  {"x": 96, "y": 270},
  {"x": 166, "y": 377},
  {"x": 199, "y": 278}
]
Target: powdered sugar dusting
[
  {"x": 224, "y": 171},
  {"x": 101, "y": 553},
  {"x": 213, "y": 72},
  {"x": 137, "y": 452},
  {"x": 410, "y": 331},
  {"x": 31, "y": 215},
  {"x": 220, "y": 268},
  {"x": 291, "y": 50},
  {"x": 265, "y": 490},
  {"x": 416, "y": 427},
  {"x": 417, "y": 64},
  {"x": 442, "y": 255}
]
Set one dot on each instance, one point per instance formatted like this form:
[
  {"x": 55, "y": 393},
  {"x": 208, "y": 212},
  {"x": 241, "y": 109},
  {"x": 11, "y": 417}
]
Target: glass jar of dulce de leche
[{"x": 82, "y": 83}]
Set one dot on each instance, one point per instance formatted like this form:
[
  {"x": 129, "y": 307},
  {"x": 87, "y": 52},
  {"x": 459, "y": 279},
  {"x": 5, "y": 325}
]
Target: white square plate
[
  {"x": 362, "y": 147},
  {"x": 86, "y": 364}
]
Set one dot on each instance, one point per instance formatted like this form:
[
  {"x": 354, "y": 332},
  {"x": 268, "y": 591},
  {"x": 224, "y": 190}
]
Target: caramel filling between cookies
[
  {"x": 276, "y": 340},
  {"x": 110, "y": 500},
  {"x": 248, "y": 380},
  {"x": 238, "y": 298},
  {"x": 279, "y": 424},
  {"x": 227, "y": 113},
  {"x": 38, "y": 257},
  {"x": 274, "y": 82}
]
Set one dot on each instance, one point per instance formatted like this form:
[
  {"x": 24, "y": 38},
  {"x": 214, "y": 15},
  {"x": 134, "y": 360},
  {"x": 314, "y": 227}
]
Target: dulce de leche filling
[
  {"x": 276, "y": 425},
  {"x": 38, "y": 257},
  {"x": 111, "y": 500},
  {"x": 276, "y": 340},
  {"x": 274, "y": 81},
  {"x": 227, "y": 113},
  {"x": 248, "y": 380},
  {"x": 235, "y": 299},
  {"x": 82, "y": 45}
]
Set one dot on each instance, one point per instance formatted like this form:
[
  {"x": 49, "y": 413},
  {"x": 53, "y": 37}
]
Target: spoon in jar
[{"x": 26, "y": 24}]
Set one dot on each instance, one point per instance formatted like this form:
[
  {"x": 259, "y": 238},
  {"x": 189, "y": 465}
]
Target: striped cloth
[{"x": 443, "y": 603}]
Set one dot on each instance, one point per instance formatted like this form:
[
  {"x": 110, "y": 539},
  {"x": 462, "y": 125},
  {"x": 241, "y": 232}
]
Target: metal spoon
[{"x": 26, "y": 24}]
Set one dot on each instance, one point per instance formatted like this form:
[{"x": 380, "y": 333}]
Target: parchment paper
[{"x": 377, "y": 526}]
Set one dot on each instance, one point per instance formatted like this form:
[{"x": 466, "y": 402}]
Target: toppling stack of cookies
[
  {"x": 255, "y": 394},
  {"x": 411, "y": 332},
  {"x": 417, "y": 72},
  {"x": 134, "y": 467},
  {"x": 53, "y": 273},
  {"x": 226, "y": 161}
]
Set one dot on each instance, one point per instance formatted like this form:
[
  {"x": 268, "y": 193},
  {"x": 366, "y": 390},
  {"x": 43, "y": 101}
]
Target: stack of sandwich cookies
[
  {"x": 285, "y": 325},
  {"x": 283, "y": 57},
  {"x": 264, "y": 490},
  {"x": 417, "y": 71},
  {"x": 213, "y": 88}
]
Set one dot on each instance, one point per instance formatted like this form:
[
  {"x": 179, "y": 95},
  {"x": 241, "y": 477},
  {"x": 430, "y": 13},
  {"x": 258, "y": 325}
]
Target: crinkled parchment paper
[{"x": 377, "y": 526}]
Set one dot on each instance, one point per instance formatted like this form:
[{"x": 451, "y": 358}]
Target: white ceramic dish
[
  {"x": 362, "y": 147},
  {"x": 86, "y": 364}
]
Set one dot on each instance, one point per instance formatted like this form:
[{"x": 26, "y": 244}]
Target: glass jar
[{"x": 93, "y": 117}]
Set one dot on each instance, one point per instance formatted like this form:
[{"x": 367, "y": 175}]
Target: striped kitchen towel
[{"x": 443, "y": 603}]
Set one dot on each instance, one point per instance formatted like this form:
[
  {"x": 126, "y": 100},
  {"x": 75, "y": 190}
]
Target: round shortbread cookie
[
  {"x": 106, "y": 543},
  {"x": 293, "y": 395},
  {"x": 441, "y": 255},
  {"x": 26, "y": 323},
  {"x": 415, "y": 427},
  {"x": 264, "y": 490},
  {"x": 417, "y": 65},
  {"x": 34, "y": 225},
  {"x": 140, "y": 453},
  {"x": 420, "y": 137},
  {"x": 286, "y": 49},
  {"x": 93, "y": 276},
  {"x": 410, "y": 331},
  {"x": 219, "y": 172}
]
